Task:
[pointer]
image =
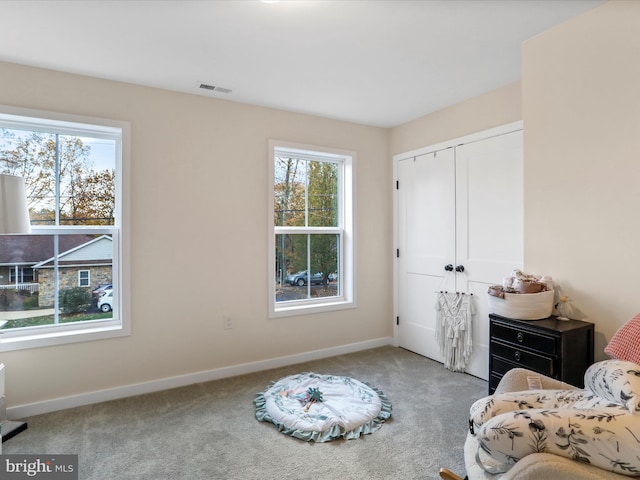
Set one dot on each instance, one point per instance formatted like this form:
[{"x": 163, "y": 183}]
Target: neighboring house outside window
[
  {"x": 311, "y": 210},
  {"x": 74, "y": 170},
  {"x": 96, "y": 253}
]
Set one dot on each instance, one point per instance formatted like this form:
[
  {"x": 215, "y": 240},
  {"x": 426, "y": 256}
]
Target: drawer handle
[
  {"x": 517, "y": 356},
  {"x": 520, "y": 337}
]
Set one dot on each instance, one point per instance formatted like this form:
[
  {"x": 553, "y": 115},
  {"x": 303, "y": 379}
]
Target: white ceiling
[{"x": 378, "y": 63}]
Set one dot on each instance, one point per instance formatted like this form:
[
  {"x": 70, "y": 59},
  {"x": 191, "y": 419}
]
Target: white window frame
[
  {"x": 120, "y": 323},
  {"x": 346, "y": 191},
  {"x": 20, "y": 274},
  {"x": 80, "y": 278}
]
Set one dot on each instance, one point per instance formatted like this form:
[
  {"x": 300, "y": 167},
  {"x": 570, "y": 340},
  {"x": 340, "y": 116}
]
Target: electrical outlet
[{"x": 228, "y": 322}]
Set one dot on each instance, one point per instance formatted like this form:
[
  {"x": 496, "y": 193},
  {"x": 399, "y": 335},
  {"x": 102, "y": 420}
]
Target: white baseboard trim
[{"x": 55, "y": 404}]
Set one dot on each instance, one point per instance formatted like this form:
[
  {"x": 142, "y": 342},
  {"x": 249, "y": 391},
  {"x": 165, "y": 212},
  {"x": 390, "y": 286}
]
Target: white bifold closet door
[{"x": 461, "y": 206}]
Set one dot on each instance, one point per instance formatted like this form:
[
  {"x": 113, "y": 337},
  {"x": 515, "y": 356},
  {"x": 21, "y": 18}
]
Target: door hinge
[
  {"x": 397, "y": 184},
  {"x": 397, "y": 320},
  {"x": 397, "y": 253}
]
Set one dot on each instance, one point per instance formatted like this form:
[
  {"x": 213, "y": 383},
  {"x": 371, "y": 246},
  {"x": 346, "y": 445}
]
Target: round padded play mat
[{"x": 321, "y": 408}]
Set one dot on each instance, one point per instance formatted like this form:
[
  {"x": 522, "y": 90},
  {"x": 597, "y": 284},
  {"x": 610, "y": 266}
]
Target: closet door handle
[
  {"x": 460, "y": 268},
  {"x": 448, "y": 267}
]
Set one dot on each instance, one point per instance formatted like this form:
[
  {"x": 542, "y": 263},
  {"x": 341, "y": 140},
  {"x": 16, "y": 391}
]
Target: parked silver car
[
  {"x": 99, "y": 291},
  {"x": 301, "y": 278}
]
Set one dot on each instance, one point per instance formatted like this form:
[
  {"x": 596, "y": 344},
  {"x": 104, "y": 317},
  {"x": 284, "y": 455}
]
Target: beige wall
[
  {"x": 581, "y": 106},
  {"x": 198, "y": 209},
  {"x": 492, "y": 109}
]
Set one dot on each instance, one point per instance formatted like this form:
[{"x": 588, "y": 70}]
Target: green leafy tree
[{"x": 323, "y": 212}]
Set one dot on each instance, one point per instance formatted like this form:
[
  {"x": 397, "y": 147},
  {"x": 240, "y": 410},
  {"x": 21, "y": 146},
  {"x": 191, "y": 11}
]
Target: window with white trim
[
  {"x": 73, "y": 172},
  {"x": 84, "y": 278},
  {"x": 311, "y": 212}
]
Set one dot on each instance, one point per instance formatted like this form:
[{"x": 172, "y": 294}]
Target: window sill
[
  {"x": 10, "y": 343},
  {"x": 307, "y": 309}
]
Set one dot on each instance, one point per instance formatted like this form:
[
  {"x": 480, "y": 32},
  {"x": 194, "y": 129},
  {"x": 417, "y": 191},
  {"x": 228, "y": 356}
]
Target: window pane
[
  {"x": 31, "y": 300},
  {"x": 325, "y": 257},
  {"x": 83, "y": 278},
  {"x": 292, "y": 266},
  {"x": 323, "y": 194},
  {"x": 289, "y": 190},
  {"x": 87, "y": 181},
  {"x": 86, "y": 173}
]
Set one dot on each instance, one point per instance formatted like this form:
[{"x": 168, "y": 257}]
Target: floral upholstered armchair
[{"x": 559, "y": 431}]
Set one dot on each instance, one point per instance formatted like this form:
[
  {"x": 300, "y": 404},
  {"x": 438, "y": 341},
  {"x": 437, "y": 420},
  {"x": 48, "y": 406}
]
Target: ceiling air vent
[{"x": 213, "y": 88}]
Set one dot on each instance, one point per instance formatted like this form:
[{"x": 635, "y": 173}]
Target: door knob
[
  {"x": 448, "y": 267},
  {"x": 460, "y": 268}
]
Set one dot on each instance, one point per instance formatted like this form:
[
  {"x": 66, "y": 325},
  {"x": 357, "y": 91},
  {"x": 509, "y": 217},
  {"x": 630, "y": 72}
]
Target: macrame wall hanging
[{"x": 454, "y": 312}]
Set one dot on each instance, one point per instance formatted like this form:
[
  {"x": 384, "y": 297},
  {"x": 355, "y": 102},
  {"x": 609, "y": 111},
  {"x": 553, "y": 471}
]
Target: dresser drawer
[
  {"x": 514, "y": 357},
  {"x": 501, "y": 366},
  {"x": 533, "y": 340}
]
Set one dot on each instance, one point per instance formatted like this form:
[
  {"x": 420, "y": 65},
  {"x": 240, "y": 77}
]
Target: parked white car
[{"x": 105, "y": 302}]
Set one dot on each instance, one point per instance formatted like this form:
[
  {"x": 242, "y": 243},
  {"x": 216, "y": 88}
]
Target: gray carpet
[{"x": 208, "y": 431}]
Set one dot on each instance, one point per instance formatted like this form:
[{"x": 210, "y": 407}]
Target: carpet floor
[{"x": 208, "y": 431}]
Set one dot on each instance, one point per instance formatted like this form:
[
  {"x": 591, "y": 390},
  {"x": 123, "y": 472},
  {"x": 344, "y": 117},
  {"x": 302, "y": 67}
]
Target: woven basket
[{"x": 522, "y": 306}]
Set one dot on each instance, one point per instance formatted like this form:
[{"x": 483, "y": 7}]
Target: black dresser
[{"x": 561, "y": 349}]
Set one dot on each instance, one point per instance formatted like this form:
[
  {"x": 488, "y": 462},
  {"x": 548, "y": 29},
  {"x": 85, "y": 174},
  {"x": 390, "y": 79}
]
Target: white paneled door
[
  {"x": 458, "y": 205},
  {"x": 426, "y": 243}
]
